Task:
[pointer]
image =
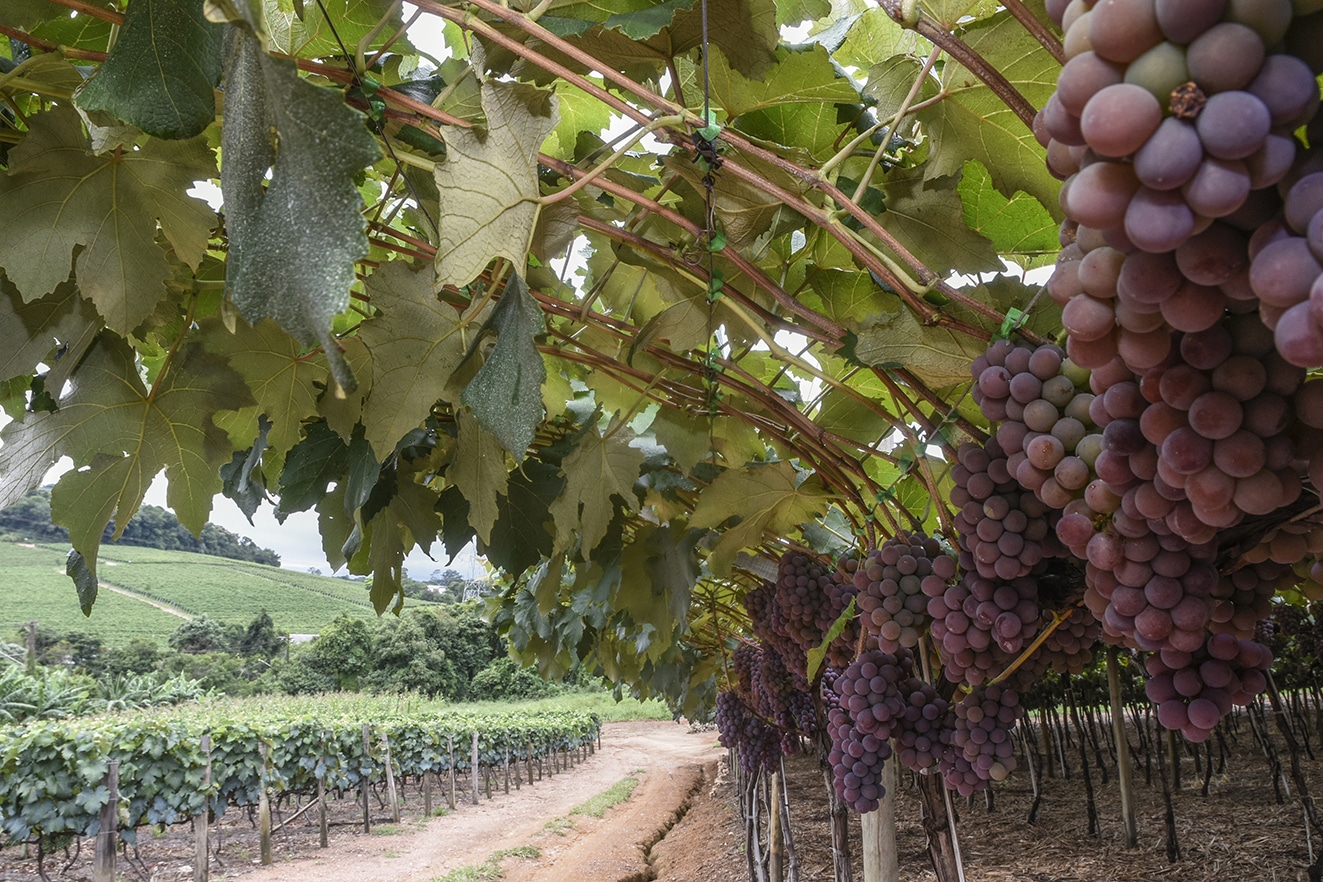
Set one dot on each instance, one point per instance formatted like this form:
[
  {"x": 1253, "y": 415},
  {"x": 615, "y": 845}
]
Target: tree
[
  {"x": 342, "y": 651},
  {"x": 260, "y": 638},
  {"x": 203, "y": 634}
]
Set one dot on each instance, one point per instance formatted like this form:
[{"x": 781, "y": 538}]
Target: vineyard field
[
  {"x": 52, "y": 773},
  {"x": 33, "y": 586}
]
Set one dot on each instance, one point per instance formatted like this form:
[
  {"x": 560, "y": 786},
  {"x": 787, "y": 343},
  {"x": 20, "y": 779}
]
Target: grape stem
[{"x": 1057, "y": 619}]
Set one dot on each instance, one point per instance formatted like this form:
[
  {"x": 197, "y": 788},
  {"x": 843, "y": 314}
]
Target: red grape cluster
[
  {"x": 756, "y": 744},
  {"x": 981, "y": 749},
  {"x": 1194, "y": 690},
  {"x": 866, "y": 709},
  {"x": 1173, "y": 125},
  {"x": 925, "y": 717},
  {"x": 895, "y": 583},
  {"x": 980, "y": 625}
]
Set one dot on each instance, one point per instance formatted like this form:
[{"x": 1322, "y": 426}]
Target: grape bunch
[
  {"x": 894, "y": 584},
  {"x": 756, "y": 744},
  {"x": 1038, "y": 397},
  {"x": 980, "y": 743},
  {"x": 923, "y": 720},
  {"x": 1194, "y": 690},
  {"x": 980, "y": 625},
  {"x": 865, "y": 711},
  {"x": 1003, "y": 530},
  {"x": 1243, "y": 598},
  {"x": 1173, "y": 126}
]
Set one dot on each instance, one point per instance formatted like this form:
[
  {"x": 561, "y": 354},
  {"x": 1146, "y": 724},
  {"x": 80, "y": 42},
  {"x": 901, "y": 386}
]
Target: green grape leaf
[
  {"x": 793, "y": 12},
  {"x": 343, "y": 409},
  {"x": 161, "y": 74},
  {"x": 765, "y": 500},
  {"x": 292, "y": 244},
  {"x": 311, "y": 35},
  {"x": 971, "y": 122},
  {"x": 1020, "y": 228},
  {"x": 60, "y": 319},
  {"x": 85, "y": 583},
  {"x": 599, "y": 470},
  {"x": 936, "y": 355},
  {"x": 283, "y": 377},
  {"x": 416, "y": 342},
  {"x": 921, "y": 214},
  {"x": 817, "y": 654},
  {"x": 873, "y": 37},
  {"x": 579, "y": 112},
  {"x": 386, "y": 559},
  {"x": 506, "y": 392},
  {"x": 800, "y": 76},
  {"x": 479, "y": 472},
  {"x": 58, "y": 198},
  {"x": 520, "y": 537},
  {"x": 658, "y": 571},
  {"x": 490, "y": 183},
  {"x": 241, "y": 479},
  {"x": 119, "y": 436},
  {"x": 312, "y": 464}
]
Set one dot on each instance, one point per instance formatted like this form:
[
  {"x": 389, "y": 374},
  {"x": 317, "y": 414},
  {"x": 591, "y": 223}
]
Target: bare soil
[{"x": 681, "y": 825}]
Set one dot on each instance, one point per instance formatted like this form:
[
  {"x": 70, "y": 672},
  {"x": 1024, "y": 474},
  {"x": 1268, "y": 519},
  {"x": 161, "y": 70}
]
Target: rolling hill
[{"x": 148, "y": 593}]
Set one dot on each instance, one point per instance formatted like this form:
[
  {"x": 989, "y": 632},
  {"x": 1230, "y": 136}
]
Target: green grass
[
  {"x": 490, "y": 869},
  {"x": 33, "y": 586},
  {"x": 560, "y": 826},
  {"x": 612, "y": 796}
]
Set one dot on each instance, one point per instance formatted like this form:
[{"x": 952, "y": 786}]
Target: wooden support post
[
  {"x": 264, "y": 809},
  {"x": 367, "y": 792},
  {"x": 528, "y": 761},
  {"x": 391, "y": 793},
  {"x": 776, "y": 842},
  {"x": 881, "y": 861},
  {"x": 427, "y": 793},
  {"x": 103, "y": 860},
  {"x": 476, "y": 783},
  {"x": 450, "y": 748},
  {"x": 323, "y": 822},
  {"x": 507, "y": 768},
  {"x": 1129, "y": 819},
  {"x": 202, "y": 821}
]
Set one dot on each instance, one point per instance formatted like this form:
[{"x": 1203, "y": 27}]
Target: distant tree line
[
  {"x": 442, "y": 651},
  {"x": 151, "y": 527}
]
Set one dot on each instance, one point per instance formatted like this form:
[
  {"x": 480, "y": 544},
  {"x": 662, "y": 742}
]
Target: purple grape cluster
[
  {"x": 980, "y": 625},
  {"x": 895, "y": 583},
  {"x": 981, "y": 750},
  {"x": 862, "y": 717},
  {"x": 1194, "y": 690},
  {"x": 756, "y": 744}
]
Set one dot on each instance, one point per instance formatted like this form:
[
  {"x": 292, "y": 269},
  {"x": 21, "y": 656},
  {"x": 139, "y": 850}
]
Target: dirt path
[{"x": 667, "y": 758}]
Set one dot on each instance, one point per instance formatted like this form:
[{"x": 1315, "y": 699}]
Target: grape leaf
[
  {"x": 599, "y": 470},
  {"x": 520, "y": 537},
  {"x": 312, "y": 464},
  {"x": 490, "y": 182},
  {"x": 61, "y": 318},
  {"x": 58, "y": 198},
  {"x": 241, "y": 479},
  {"x": 479, "y": 472},
  {"x": 971, "y": 122},
  {"x": 506, "y": 392},
  {"x": 76, "y": 568},
  {"x": 579, "y": 112},
  {"x": 311, "y": 35},
  {"x": 800, "y": 76},
  {"x": 162, "y": 72},
  {"x": 280, "y": 373},
  {"x": 1020, "y": 227},
  {"x": 416, "y": 343},
  {"x": 658, "y": 571},
  {"x": 936, "y": 355},
  {"x": 793, "y": 12},
  {"x": 921, "y": 214},
  {"x": 873, "y": 37},
  {"x": 764, "y": 499},
  {"x": 292, "y": 244},
  {"x": 119, "y": 436}
]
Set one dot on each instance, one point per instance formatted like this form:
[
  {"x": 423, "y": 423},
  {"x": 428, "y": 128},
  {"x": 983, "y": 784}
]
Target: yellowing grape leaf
[
  {"x": 765, "y": 500},
  {"x": 800, "y": 75},
  {"x": 479, "y": 472},
  {"x": 971, "y": 122},
  {"x": 416, "y": 343},
  {"x": 58, "y": 198},
  {"x": 120, "y": 435},
  {"x": 162, "y": 72},
  {"x": 923, "y": 214},
  {"x": 599, "y": 470},
  {"x": 293, "y": 243},
  {"x": 490, "y": 183}
]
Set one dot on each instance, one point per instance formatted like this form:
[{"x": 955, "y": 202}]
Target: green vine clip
[{"x": 1014, "y": 318}]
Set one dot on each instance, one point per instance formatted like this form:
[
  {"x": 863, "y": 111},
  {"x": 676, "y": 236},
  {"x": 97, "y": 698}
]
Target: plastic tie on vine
[{"x": 1014, "y": 318}]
